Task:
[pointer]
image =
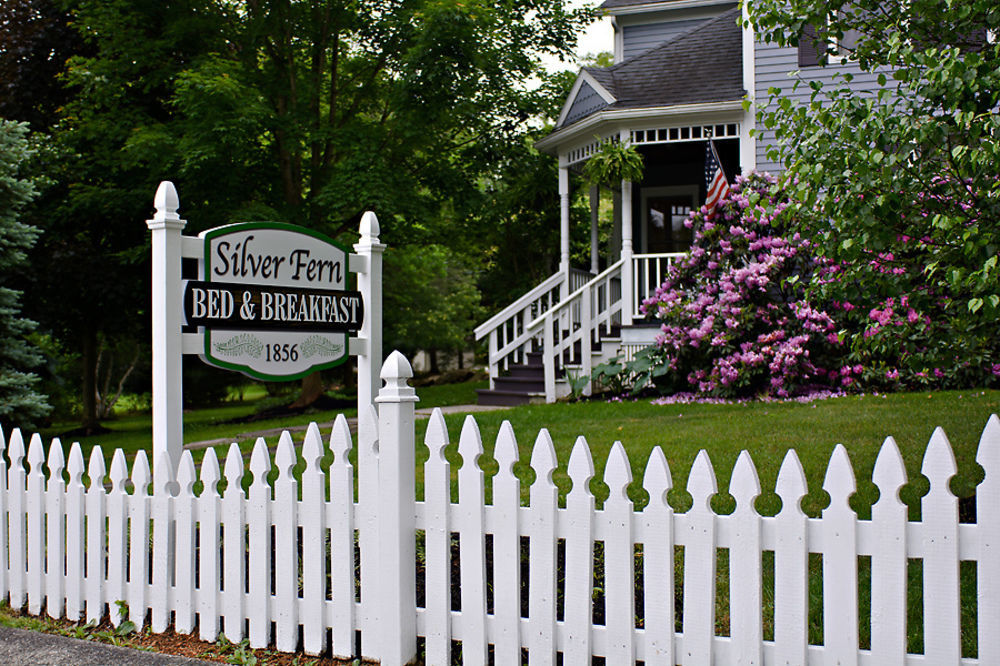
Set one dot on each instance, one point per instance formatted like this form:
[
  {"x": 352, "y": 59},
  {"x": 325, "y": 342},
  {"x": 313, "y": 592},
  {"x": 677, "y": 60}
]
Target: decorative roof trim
[
  {"x": 583, "y": 77},
  {"x": 647, "y": 7},
  {"x": 587, "y": 125}
]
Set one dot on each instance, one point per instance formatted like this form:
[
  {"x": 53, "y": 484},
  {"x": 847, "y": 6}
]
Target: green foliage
[
  {"x": 430, "y": 299},
  {"x": 305, "y": 112},
  {"x": 899, "y": 185},
  {"x": 20, "y": 402},
  {"x": 614, "y": 162}
]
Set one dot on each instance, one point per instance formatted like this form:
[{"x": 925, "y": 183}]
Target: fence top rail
[
  {"x": 536, "y": 323},
  {"x": 496, "y": 320}
]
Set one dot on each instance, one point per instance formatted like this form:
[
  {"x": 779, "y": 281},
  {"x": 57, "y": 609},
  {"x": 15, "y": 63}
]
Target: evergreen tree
[{"x": 20, "y": 402}]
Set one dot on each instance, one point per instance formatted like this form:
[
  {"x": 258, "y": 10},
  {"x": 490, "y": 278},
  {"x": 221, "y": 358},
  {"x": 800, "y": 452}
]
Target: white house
[{"x": 681, "y": 74}]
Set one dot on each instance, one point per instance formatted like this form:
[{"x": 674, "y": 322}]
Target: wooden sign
[{"x": 272, "y": 302}]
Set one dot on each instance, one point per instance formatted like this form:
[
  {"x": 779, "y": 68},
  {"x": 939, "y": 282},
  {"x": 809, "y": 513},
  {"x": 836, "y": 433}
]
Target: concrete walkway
[
  {"x": 422, "y": 413},
  {"x": 19, "y": 647}
]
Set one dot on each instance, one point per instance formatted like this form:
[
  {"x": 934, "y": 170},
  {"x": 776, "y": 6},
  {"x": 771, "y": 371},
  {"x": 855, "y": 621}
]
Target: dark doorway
[{"x": 666, "y": 231}]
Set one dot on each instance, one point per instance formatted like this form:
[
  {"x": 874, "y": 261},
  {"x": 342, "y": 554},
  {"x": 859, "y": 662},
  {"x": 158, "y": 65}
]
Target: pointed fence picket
[
  {"x": 259, "y": 547},
  {"x": 699, "y": 540},
  {"x": 75, "y": 521},
  {"x": 507, "y": 531},
  {"x": 888, "y": 610},
  {"x": 579, "y": 530},
  {"x": 658, "y": 563},
  {"x": 542, "y": 549},
  {"x": 988, "y": 555},
  {"x": 472, "y": 547},
  {"x": 273, "y": 556},
  {"x": 340, "y": 518},
  {"x": 96, "y": 555}
]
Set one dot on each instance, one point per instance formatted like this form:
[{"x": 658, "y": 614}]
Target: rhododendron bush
[
  {"x": 897, "y": 180},
  {"x": 911, "y": 318},
  {"x": 736, "y": 318}
]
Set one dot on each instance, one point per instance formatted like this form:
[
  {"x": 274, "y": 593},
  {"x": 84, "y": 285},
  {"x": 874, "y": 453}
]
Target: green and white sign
[{"x": 272, "y": 301}]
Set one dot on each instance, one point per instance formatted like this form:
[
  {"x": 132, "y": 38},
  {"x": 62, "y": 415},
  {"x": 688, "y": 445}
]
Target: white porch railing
[
  {"x": 593, "y": 302},
  {"x": 648, "y": 272}
]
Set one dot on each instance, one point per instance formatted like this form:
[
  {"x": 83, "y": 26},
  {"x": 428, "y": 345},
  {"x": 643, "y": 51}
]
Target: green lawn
[{"x": 766, "y": 430}]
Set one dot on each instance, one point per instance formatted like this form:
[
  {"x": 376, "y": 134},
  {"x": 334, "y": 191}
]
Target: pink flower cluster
[{"x": 735, "y": 318}]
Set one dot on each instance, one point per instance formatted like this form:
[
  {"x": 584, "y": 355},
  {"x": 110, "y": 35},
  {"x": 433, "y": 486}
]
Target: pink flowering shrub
[
  {"x": 736, "y": 319},
  {"x": 911, "y": 307}
]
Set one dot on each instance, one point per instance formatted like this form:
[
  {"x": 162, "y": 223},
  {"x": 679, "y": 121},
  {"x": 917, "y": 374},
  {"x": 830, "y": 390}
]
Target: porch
[
  {"x": 569, "y": 323},
  {"x": 556, "y": 333}
]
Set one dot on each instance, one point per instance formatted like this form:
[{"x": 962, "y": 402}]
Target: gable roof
[{"x": 704, "y": 64}]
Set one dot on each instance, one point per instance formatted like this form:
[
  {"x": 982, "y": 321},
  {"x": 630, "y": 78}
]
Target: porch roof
[{"x": 703, "y": 65}]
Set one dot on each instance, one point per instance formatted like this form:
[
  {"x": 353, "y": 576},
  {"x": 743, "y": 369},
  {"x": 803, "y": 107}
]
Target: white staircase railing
[
  {"x": 543, "y": 320},
  {"x": 509, "y": 340},
  {"x": 578, "y": 319}
]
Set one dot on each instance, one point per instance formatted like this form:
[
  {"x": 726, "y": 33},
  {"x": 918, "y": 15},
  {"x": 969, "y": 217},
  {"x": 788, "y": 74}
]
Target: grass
[
  {"x": 765, "y": 430},
  {"x": 133, "y": 431}
]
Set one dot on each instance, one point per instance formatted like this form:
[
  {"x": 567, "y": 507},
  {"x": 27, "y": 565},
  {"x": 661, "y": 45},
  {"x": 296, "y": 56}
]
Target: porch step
[
  {"x": 523, "y": 384},
  {"x": 508, "y": 398}
]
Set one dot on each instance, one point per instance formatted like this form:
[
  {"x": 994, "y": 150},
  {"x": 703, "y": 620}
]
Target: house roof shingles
[
  {"x": 702, "y": 65},
  {"x": 612, "y": 4}
]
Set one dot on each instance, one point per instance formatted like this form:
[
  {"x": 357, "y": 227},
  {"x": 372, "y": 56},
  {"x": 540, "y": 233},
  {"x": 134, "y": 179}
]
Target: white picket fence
[{"x": 280, "y": 557}]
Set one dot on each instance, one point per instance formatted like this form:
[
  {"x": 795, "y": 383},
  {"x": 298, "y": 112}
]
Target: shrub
[{"x": 737, "y": 321}]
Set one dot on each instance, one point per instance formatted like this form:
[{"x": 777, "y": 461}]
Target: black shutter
[{"x": 808, "y": 51}]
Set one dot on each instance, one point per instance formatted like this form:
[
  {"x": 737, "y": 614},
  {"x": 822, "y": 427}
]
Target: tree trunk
[
  {"x": 89, "y": 418},
  {"x": 311, "y": 389}
]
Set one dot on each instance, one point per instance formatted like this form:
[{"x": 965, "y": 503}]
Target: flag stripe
[{"x": 717, "y": 188}]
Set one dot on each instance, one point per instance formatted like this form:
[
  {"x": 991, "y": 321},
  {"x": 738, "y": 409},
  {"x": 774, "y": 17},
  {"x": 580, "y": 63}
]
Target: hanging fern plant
[{"x": 614, "y": 162}]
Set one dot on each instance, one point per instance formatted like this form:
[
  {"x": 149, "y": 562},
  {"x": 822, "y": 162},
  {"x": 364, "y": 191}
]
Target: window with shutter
[{"x": 808, "y": 51}]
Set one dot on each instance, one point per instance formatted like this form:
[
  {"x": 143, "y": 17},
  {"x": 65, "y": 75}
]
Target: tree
[
  {"x": 431, "y": 302},
  {"x": 312, "y": 111},
  {"x": 91, "y": 286},
  {"x": 36, "y": 40},
  {"x": 20, "y": 402},
  {"x": 899, "y": 186}
]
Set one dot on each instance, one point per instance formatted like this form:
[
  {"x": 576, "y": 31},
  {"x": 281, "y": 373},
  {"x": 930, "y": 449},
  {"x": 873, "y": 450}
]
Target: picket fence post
[
  {"x": 369, "y": 251},
  {"x": 396, "y": 583},
  {"x": 166, "y": 227}
]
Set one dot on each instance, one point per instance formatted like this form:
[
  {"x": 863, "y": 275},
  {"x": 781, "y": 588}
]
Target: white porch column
[
  {"x": 595, "y": 204},
  {"x": 748, "y": 144},
  {"x": 564, "y": 228},
  {"x": 627, "y": 279}
]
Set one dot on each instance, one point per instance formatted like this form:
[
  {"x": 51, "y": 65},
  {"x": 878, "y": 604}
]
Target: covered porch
[{"x": 585, "y": 315}]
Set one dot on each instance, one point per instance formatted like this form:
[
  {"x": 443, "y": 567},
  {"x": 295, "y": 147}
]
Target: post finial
[
  {"x": 395, "y": 371},
  {"x": 369, "y": 226},
  {"x": 166, "y": 202}
]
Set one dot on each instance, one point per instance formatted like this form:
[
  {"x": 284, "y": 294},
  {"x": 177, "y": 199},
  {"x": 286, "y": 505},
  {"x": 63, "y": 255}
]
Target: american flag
[{"x": 715, "y": 179}]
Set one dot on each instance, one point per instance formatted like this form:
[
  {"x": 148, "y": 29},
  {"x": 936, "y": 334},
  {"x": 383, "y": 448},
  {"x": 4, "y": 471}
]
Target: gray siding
[
  {"x": 773, "y": 66},
  {"x": 638, "y": 39},
  {"x": 587, "y": 102}
]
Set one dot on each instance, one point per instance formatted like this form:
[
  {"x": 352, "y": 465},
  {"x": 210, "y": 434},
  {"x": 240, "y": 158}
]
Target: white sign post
[{"x": 270, "y": 301}]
